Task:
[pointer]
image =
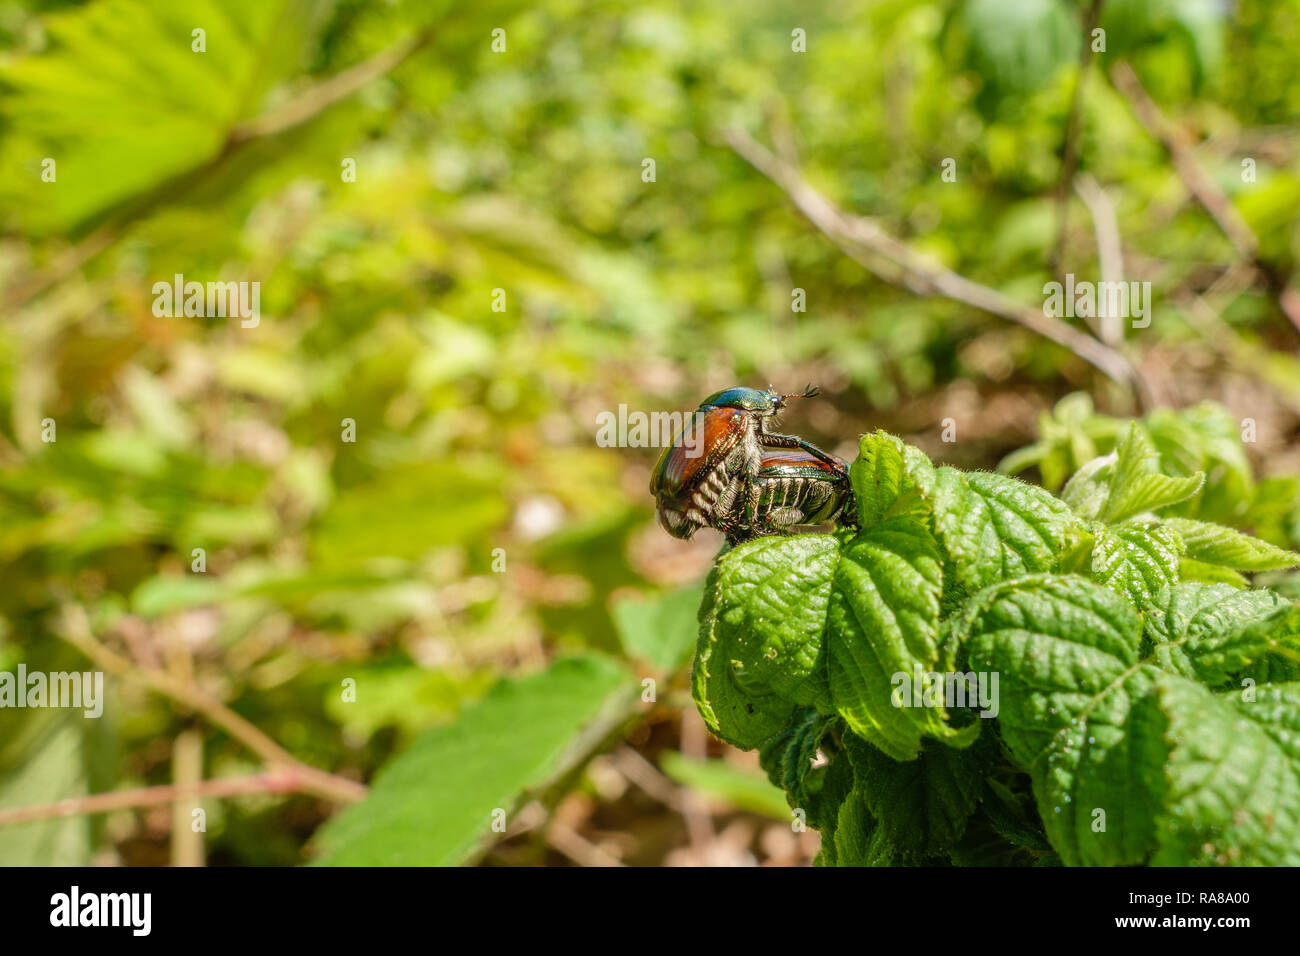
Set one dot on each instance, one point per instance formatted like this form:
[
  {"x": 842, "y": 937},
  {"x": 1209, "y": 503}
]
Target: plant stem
[
  {"x": 865, "y": 241},
  {"x": 284, "y": 780},
  {"x": 328, "y": 786}
]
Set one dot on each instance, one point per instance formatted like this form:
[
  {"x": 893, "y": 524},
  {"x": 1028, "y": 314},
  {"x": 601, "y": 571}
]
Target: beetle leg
[
  {"x": 750, "y": 509},
  {"x": 773, "y": 440}
]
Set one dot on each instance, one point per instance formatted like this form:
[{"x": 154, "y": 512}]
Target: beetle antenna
[{"x": 811, "y": 391}]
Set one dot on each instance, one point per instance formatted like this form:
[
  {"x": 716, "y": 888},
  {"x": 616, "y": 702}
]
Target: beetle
[
  {"x": 795, "y": 487},
  {"x": 732, "y": 474}
]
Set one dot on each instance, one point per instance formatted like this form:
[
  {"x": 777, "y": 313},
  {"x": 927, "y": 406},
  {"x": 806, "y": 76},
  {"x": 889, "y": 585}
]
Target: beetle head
[{"x": 763, "y": 403}]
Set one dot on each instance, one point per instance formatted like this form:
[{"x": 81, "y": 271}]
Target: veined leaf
[
  {"x": 1234, "y": 776},
  {"x": 806, "y": 621},
  {"x": 1089, "y": 487},
  {"x": 1209, "y": 632},
  {"x": 818, "y": 791},
  {"x": 760, "y": 651},
  {"x": 857, "y": 838},
  {"x": 994, "y": 527},
  {"x": 920, "y": 806},
  {"x": 1075, "y": 710},
  {"x": 884, "y": 620},
  {"x": 1138, "y": 486},
  {"x": 434, "y": 804},
  {"x": 1136, "y": 559},
  {"x": 889, "y": 477},
  {"x": 1192, "y": 570},
  {"x": 743, "y": 717},
  {"x": 1217, "y": 544},
  {"x": 1278, "y": 635}
]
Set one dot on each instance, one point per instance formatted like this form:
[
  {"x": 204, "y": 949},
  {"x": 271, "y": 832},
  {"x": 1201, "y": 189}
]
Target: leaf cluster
[{"x": 987, "y": 672}]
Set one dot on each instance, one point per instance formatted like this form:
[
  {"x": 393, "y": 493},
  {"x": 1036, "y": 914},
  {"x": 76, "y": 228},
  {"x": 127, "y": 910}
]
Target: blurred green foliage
[{"x": 474, "y": 529}]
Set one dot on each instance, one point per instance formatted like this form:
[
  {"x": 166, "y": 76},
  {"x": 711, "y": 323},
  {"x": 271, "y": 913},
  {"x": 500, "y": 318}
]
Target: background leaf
[{"x": 435, "y": 803}]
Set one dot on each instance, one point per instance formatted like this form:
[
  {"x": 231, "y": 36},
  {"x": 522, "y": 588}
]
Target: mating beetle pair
[{"x": 746, "y": 481}]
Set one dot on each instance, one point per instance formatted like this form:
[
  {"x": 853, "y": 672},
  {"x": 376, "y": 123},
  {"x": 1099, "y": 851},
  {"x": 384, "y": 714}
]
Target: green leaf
[
  {"x": 164, "y": 594},
  {"x": 1190, "y": 570},
  {"x": 1089, "y": 487},
  {"x": 994, "y": 527},
  {"x": 760, "y": 650},
  {"x": 434, "y": 804},
  {"x": 1234, "y": 777},
  {"x": 48, "y": 765},
  {"x": 1138, "y": 486},
  {"x": 857, "y": 841},
  {"x": 1216, "y": 544},
  {"x": 1204, "y": 438},
  {"x": 920, "y": 806},
  {"x": 818, "y": 791},
  {"x": 661, "y": 631},
  {"x": 1017, "y": 45},
  {"x": 1136, "y": 559},
  {"x": 1209, "y": 632},
  {"x": 1075, "y": 710},
  {"x": 884, "y": 620},
  {"x": 1278, "y": 637},
  {"x": 889, "y": 477},
  {"x": 128, "y": 64},
  {"x": 724, "y": 781}
]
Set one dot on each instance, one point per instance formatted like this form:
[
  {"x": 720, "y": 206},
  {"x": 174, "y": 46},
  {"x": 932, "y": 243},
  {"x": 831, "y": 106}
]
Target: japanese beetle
[
  {"x": 796, "y": 487},
  {"x": 739, "y": 477}
]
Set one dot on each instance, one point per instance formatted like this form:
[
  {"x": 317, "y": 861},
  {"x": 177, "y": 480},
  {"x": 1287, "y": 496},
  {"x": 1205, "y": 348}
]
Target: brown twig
[
  {"x": 1204, "y": 189},
  {"x": 76, "y": 631},
  {"x": 694, "y": 808},
  {"x": 578, "y": 848},
  {"x": 284, "y": 780},
  {"x": 1110, "y": 250},
  {"x": 646, "y": 777},
  {"x": 856, "y": 235}
]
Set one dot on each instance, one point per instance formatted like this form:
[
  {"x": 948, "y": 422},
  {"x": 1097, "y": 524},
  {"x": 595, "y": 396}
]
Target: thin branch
[
  {"x": 280, "y": 781},
  {"x": 861, "y": 239},
  {"x": 578, "y": 848},
  {"x": 1110, "y": 250},
  {"x": 694, "y": 808},
  {"x": 328, "y": 786},
  {"x": 1203, "y": 188},
  {"x": 325, "y": 94},
  {"x": 187, "y": 773},
  {"x": 644, "y": 775}
]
